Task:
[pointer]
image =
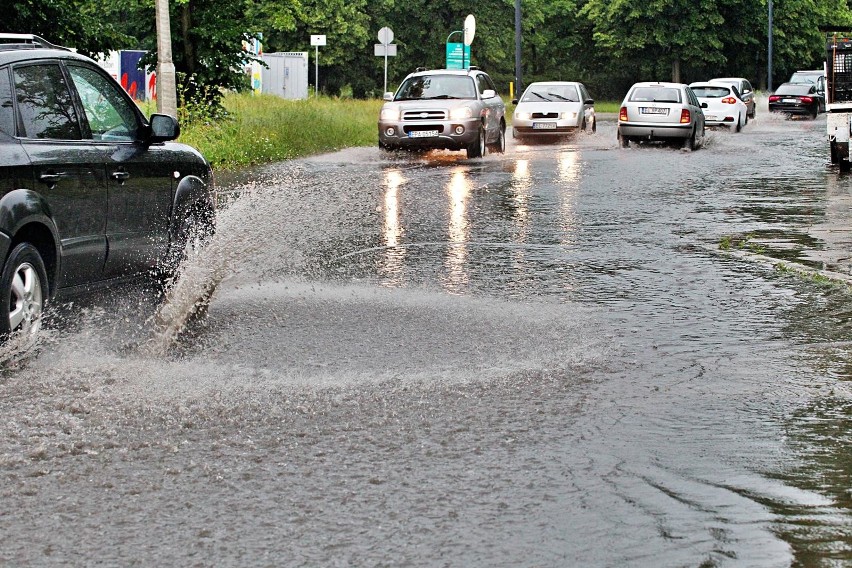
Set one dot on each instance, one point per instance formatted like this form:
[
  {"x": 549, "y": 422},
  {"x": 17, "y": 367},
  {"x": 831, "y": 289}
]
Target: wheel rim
[
  {"x": 502, "y": 140},
  {"x": 482, "y": 142},
  {"x": 26, "y": 300}
]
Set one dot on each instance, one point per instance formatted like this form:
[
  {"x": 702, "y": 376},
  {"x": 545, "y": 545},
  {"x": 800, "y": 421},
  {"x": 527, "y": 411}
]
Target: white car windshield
[
  {"x": 655, "y": 95},
  {"x": 551, "y": 93},
  {"x": 428, "y": 87},
  {"x": 804, "y": 78},
  {"x": 711, "y": 92}
]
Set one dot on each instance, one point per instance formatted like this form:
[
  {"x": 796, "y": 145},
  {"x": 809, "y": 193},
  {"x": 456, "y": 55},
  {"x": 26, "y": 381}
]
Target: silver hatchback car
[
  {"x": 661, "y": 111},
  {"x": 444, "y": 109}
]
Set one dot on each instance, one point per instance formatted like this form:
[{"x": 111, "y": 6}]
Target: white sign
[
  {"x": 385, "y": 36},
  {"x": 469, "y": 29},
  {"x": 317, "y": 40},
  {"x": 382, "y": 50}
]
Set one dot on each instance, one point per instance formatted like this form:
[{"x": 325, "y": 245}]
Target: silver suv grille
[{"x": 424, "y": 115}]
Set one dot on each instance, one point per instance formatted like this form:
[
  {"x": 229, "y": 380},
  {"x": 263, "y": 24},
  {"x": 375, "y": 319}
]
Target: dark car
[
  {"x": 796, "y": 99},
  {"x": 90, "y": 190}
]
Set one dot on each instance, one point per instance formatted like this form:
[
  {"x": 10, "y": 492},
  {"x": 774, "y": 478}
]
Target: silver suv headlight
[
  {"x": 390, "y": 113},
  {"x": 461, "y": 113}
]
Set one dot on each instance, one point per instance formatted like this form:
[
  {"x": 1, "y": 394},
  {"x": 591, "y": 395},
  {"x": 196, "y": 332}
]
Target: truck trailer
[{"x": 838, "y": 94}]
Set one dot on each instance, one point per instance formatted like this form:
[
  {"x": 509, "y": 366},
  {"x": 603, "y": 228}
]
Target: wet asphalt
[{"x": 572, "y": 354}]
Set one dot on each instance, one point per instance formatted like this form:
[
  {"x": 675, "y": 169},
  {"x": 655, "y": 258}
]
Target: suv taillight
[
  {"x": 622, "y": 114},
  {"x": 684, "y": 116}
]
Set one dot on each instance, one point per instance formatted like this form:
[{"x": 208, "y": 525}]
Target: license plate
[
  {"x": 422, "y": 133},
  {"x": 710, "y": 117},
  {"x": 653, "y": 110},
  {"x": 544, "y": 126},
  {"x": 789, "y": 100}
]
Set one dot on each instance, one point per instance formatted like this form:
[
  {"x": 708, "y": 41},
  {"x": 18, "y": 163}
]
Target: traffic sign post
[
  {"x": 386, "y": 49},
  {"x": 458, "y": 54},
  {"x": 316, "y": 41}
]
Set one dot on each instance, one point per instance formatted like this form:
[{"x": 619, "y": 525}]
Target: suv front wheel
[
  {"x": 23, "y": 292},
  {"x": 476, "y": 149},
  {"x": 499, "y": 145}
]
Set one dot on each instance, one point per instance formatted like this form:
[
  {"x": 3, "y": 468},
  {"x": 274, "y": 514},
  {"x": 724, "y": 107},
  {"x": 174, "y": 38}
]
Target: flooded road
[{"x": 550, "y": 357}]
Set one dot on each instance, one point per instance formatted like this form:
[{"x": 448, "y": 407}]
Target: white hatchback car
[
  {"x": 552, "y": 109},
  {"x": 722, "y": 107},
  {"x": 661, "y": 112}
]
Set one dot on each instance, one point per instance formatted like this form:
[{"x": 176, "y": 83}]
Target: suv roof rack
[
  {"x": 420, "y": 69},
  {"x": 473, "y": 68},
  {"x": 30, "y": 41}
]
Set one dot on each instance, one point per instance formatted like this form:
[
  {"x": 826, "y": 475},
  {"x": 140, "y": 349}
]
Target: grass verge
[{"x": 267, "y": 128}]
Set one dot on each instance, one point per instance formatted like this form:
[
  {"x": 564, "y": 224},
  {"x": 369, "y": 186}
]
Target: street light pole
[
  {"x": 518, "y": 79},
  {"x": 769, "y": 50},
  {"x": 166, "y": 83}
]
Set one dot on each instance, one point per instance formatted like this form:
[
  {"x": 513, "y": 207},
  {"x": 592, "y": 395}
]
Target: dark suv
[{"x": 90, "y": 190}]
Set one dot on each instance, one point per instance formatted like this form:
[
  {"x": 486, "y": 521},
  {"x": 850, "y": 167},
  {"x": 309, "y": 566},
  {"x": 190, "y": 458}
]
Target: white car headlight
[
  {"x": 461, "y": 113},
  {"x": 522, "y": 115},
  {"x": 569, "y": 115},
  {"x": 390, "y": 113}
]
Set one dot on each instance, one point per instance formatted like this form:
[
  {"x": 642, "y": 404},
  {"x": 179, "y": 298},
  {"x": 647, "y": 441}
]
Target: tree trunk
[
  {"x": 676, "y": 71},
  {"x": 188, "y": 45}
]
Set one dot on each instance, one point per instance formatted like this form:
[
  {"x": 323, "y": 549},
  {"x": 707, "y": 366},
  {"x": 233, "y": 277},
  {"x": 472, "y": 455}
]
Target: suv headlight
[
  {"x": 461, "y": 113},
  {"x": 391, "y": 113}
]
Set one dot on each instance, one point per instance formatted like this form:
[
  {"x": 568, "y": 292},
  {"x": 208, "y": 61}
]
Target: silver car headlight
[
  {"x": 461, "y": 113},
  {"x": 390, "y": 113}
]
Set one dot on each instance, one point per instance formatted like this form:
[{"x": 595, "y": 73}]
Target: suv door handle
[
  {"x": 120, "y": 175},
  {"x": 51, "y": 179}
]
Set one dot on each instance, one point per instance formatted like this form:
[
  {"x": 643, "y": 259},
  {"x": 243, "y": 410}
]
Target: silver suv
[{"x": 444, "y": 108}]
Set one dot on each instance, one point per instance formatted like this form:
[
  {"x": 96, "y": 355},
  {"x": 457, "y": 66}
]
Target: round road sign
[
  {"x": 469, "y": 29},
  {"x": 385, "y": 35}
]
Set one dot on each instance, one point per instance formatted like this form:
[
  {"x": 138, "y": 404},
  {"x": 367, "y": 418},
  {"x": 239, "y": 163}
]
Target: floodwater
[{"x": 542, "y": 358}]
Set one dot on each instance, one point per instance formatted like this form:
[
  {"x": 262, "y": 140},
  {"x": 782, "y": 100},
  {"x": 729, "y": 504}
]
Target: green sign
[{"x": 458, "y": 56}]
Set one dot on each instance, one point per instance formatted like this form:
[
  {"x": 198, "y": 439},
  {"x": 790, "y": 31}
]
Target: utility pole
[
  {"x": 518, "y": 80},
  {"x": 166, "y": 82},
  {"x": 769, "y": 50}
]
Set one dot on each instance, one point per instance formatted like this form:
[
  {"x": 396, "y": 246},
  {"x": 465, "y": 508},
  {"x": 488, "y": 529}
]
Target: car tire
[
  {"x": 24, "y": 289},
  {"x": 689, "y": 143},
  {"x": 739, "y": 125},
  {"x": 623, "y": 141},
  {"x": 594, "y": 125},
  {"x": 195, "y": 229},
  {"x": 499, "y": 146},
  {"x": 476, "y": 149}
]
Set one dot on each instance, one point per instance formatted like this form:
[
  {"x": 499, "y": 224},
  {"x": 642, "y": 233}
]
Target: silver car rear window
[
  {"x": 426, "y": 87},
  {"x": 655, "y": 95},
  {"x": 711, "y": 92}
]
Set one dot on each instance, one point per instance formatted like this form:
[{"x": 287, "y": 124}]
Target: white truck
[{"x": 838, "y": 95}]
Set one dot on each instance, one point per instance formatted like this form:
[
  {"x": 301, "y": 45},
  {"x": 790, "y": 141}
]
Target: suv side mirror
[
  {"x": 489, "y": 94},
  {"x": 387, "y": 96},
  {"x": 163, "y": 128}
]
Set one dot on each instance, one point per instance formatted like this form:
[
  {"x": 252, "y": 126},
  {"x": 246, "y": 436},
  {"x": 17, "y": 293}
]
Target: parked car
[
  {"x": 796, "y": 99},
  {"x": 743, "y": 90},
  {"x": 444, "y": 108},
  {"x": 661, "y": 111},
  {"x": 90, "y": 190},
  {"x": 721, "y": 105},
  {"x": 550, "y": 109}
]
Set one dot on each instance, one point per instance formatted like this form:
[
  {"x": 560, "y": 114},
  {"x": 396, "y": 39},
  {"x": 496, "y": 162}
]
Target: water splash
[{"x": 242, "y": 229}]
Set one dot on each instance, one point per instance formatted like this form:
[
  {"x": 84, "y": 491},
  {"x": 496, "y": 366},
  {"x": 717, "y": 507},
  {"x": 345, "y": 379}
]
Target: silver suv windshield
[
  {"x": 655, "y": 95},
  {"x": 428, "y": 87}
]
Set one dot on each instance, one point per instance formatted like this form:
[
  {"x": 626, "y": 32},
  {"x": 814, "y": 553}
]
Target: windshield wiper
[
  {"x": 439, "y": 97},
  {"x": 558, "y": 96},
  {"x": 539, "y": 95}
]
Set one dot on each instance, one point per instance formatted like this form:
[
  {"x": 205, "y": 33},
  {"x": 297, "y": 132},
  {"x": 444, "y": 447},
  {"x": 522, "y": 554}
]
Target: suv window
[
  {"x": 7, "y": 108},
  {"x": 109, "y": 114},
  {"x": 44, "y": 103},
  {"x": 436, "y": 87}
]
